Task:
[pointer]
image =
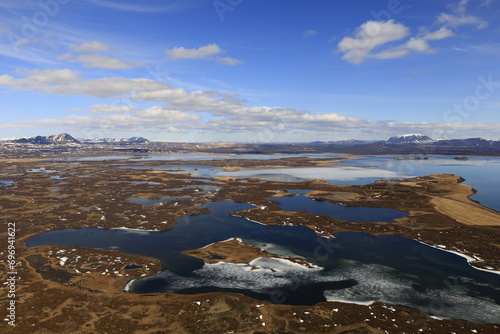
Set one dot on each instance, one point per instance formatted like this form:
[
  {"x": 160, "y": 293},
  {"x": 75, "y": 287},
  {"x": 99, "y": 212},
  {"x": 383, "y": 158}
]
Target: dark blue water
[
  {"x": 353, "y": 267},
  {"x": 360, "y": 214}
]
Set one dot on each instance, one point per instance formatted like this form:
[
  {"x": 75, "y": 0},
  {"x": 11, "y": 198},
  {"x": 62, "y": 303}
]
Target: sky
[{"x": 250, "y": 70}]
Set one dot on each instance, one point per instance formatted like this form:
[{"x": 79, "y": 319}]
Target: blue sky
[{"x": 250, "y": 70}]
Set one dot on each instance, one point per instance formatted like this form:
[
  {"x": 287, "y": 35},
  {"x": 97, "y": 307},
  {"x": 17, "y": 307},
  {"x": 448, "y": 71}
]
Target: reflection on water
[
  {"x": 353, "y": 267},
  {"x": 337, "y": 211},
  {"x": 336, "y": 175},
  {"x": 478, "y": 172}
]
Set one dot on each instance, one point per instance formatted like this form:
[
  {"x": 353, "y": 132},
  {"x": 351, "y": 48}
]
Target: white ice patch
[
  {"x": 262, "y": 275},
  {"x": 377, "y": 283},
  {"x": 133, "y": 230},
  {"x": 128, "y": 285}
]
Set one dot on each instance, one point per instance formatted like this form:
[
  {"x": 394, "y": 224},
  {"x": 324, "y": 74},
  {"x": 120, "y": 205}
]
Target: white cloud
[
  {"x": 415, "y": 44},
  {"x": 203, "y": 52},
  {"x": 110, "y": 109},
  {"x": 461, "y": 6},
  {"x": 229, "y": 61},
  {"x": 310, "y": 33},
  {"x": 158, "y": 114},
  {"x": 154, "y": 118},
  {"x": 369, "y": 36},
  {"x": 206, "y": 52},
  {"x": 67, "y": 82},
  {"x": 373, "y": 35},
  {"x": 461, "y": 18},
  {"x": 455, "y": 21},
  {"x": 439, "y": 34},
  {"x": 101, "y": 61},
  {"x": 89, "y": 47}
]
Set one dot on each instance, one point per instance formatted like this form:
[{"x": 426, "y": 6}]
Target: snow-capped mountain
[
  {"x": 62, "y": 138},
  {"x": 410, "y": 139},
  {"x": 123, "y": 141}
]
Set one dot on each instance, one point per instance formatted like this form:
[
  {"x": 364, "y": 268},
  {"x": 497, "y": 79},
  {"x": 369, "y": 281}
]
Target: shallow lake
[{"x": 353, "y": 267}]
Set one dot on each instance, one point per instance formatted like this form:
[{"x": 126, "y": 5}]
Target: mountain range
[
  {"x": 396, "y": 141},
  {"x": 65, "y": 138}
]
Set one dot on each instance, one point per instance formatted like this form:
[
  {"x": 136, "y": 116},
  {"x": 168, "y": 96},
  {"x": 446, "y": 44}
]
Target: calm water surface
[{"x": 360, "y": 214}]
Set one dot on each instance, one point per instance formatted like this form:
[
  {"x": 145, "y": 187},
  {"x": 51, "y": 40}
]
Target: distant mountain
[
  {"x": 123, "y": 141},
  {"x": 410, "y": 139},
  {"x": 353, "y": 142},
  {"x": 343, "y": 142},
  {"x": 137, "y": 140},
  {"x": 62, "y": 138},
  {"x": 477, "y": 142}
]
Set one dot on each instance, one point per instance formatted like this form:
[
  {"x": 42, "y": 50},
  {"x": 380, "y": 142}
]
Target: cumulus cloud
[
  {"x": 101, "y": 61},
  {"x": 417, "y": 44},
  {"x": 110, "y": 109},
  {"x": 89, "y": 47},
  {"x": 207, "y": 52},
  {"x": 369, "y": 36},
  {"x": 373, "y": 34},
  {"x": 460, "y": 16},
  {"x": 154, "y": 118},
  {"x": 68, "y": 82},
  {"x": 373, "y": 39},
  {"x": 455, "y": 21},
  {"x": 203, "y": 52}
]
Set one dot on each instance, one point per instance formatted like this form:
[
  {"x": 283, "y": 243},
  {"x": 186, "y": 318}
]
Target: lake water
[
  {"x": 481, "y": 173},
  {"x": 360, "y": 214},
  {"x": 353, "y": 267}
]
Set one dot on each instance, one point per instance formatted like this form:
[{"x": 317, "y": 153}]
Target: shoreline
[{"x": 470, "y": 260}]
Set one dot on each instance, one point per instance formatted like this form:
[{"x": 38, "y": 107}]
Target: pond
[{"x": 352, "y": 267}]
